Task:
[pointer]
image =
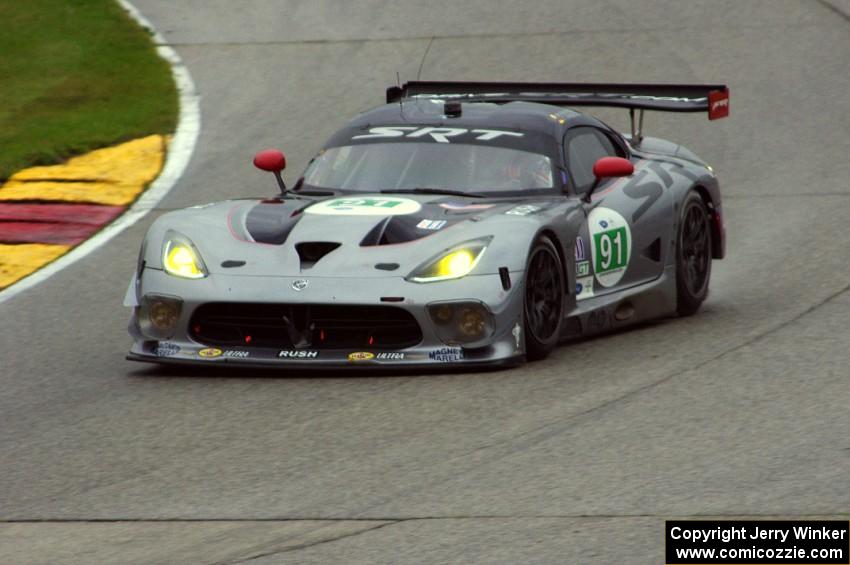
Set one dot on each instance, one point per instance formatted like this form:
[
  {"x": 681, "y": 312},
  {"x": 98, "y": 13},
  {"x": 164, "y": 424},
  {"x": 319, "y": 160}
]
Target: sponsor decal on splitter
[
  {"x": 165, "y": 349},
  {"x": 210, "y": 352},
  {"x": 361, "y": 356},
  {"x": 390, "y": 356},
  {"x": 446, "y": 354},
  {"x": 232, "y": 353},
  {"x": 297, "y": 354}
]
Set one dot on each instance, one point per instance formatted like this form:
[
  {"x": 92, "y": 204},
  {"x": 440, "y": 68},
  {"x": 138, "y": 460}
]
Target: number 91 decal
[{"x": 610, "y": 245}]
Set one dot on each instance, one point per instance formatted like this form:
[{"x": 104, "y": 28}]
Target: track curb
[{"x": 177, "y": 159}]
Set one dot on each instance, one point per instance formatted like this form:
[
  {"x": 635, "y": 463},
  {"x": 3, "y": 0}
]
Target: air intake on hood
[{"x": 311, "y": 252}]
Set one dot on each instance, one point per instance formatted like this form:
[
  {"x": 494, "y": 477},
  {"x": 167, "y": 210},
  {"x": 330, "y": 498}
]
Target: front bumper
[{"x": 505, "y": 346}]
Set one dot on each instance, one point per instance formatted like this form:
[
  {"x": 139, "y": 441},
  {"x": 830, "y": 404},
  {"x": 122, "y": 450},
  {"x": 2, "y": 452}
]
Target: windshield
[{"x": 479, "y": 169}]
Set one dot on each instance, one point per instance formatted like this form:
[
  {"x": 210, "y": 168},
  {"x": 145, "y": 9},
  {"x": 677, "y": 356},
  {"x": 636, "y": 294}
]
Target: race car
[{"x": 459, "y": 224}]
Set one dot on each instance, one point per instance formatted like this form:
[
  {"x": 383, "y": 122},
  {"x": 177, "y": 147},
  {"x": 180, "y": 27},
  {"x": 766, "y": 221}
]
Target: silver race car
[{"x": 461, "y": 224}]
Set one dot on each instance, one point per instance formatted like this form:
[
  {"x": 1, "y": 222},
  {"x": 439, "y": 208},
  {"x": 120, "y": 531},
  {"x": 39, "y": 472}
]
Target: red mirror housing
[
  {"x": 270, "y": 160},
  {"x": 608, "y": 167}
]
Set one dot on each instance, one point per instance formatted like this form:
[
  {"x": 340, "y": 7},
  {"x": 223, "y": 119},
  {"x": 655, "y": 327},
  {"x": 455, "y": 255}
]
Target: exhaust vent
[{"x": 311, "y": 252}]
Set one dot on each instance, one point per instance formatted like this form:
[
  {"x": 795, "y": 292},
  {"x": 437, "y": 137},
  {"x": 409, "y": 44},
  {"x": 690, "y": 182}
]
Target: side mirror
[
  {"x": 273, "y": 161},
  {"x": 609, "y": 167}
]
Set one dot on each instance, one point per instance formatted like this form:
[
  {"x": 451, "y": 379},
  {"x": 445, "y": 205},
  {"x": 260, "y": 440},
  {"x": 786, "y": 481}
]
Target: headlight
[
  {"x": 461, "y": 322},
  {"x": 180, "y": 257},
  {"x": 455, "y": 263},
  {"x": 158, "y": 315}
]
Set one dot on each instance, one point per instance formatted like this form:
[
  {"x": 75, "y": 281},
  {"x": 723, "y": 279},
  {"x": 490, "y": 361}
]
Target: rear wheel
[
  {"x": 693, "y": 255},
  {"x": 544, "y": 299}
]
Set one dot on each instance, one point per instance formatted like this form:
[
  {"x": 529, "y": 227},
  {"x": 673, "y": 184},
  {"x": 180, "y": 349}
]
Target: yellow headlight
[
  {"x": 455, "y": 264},
  {"x": 181, "y": 260}
]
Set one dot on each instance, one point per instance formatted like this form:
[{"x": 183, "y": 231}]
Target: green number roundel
[
  {"x": 611, "y": 250},
  {"x": 610, "y": 245},
  {"x": 365, "y": 206}
]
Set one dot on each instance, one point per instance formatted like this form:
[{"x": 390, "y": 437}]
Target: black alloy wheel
[
  {"x": 693, "y": 255},
  {"x": 544, "y": 299}
]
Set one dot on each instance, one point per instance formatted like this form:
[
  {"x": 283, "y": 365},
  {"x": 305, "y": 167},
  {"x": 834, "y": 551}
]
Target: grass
[{"x": 76, "y": 75}]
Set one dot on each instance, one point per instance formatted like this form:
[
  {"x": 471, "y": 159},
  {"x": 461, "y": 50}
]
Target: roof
[
  {"x": 529, "y": 116},
  {"x": 542, "y": 124}
]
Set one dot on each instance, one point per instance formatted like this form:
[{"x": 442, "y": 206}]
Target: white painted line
[{"x": 179, "y": 152}]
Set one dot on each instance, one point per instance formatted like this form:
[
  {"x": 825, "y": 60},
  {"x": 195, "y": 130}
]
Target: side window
[{"x": 584, "y": 146}]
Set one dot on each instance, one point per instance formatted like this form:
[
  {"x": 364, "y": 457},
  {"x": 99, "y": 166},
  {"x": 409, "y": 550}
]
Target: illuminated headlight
[
  {"x": 461, "y": 322},
  {"x": 455, "y": 263},
  {"x": 180, "y": 257},
  {"x": 158, "y": 315}
]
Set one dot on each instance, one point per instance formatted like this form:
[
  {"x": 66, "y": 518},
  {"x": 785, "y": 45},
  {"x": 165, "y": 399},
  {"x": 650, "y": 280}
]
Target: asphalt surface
[{"x": 741, "y": 410}]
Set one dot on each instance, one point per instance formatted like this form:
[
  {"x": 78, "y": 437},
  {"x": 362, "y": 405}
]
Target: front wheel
[
  {"x": 544, "y": 299},
  {"x": 693, "y": 255}
]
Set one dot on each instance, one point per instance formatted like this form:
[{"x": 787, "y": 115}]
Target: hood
[{"x": 369, "y": 235}]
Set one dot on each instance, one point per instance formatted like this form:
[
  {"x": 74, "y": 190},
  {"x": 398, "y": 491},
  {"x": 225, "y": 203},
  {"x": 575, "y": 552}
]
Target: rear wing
[{"x": 710, "y": 98}]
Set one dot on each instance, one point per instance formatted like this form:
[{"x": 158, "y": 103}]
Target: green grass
[{"x": 76, "y": 75}]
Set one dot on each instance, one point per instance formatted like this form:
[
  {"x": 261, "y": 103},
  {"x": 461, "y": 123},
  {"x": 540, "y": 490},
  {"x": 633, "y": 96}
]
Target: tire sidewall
[
  {"x": 689, "y": 302},
  {"x": 536, "y": 349}
]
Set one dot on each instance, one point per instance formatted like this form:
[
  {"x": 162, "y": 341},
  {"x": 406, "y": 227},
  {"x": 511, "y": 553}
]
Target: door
[{"x": 627, "y": 223}]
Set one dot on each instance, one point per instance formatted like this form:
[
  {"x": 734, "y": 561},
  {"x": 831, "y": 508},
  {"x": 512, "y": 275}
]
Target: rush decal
[
  {"x": 610, "y": 245},
  {"x": 297, "y": 354},
  {"x": 366, "y": 206}
]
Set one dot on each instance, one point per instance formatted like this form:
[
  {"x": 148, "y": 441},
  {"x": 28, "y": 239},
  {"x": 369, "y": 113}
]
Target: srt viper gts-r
[{"x": 460, "y": 223}]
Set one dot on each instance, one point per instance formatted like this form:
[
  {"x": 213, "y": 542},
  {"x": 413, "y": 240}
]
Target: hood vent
[
  {"x": 311, "y": 252},
  {"x": 376, "y": 234},
  {"x": 402, "y": 229}
]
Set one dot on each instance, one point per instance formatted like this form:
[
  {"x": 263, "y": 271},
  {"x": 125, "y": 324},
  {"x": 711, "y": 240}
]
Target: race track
[{"x": 741, "y": 410}]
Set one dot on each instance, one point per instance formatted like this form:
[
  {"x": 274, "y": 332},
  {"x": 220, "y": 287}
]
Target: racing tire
[
  {"x": 693, "y": 255},
  {"x": 543, "y": 303}
]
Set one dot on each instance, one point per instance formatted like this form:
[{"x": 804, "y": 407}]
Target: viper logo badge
[{"x": 300, "y": 284}]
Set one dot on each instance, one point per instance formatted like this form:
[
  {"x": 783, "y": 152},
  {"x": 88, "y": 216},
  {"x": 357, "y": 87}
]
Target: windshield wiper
[
  {"x": 447, "y": 191},
  {"x": 314, "y": 192}
]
